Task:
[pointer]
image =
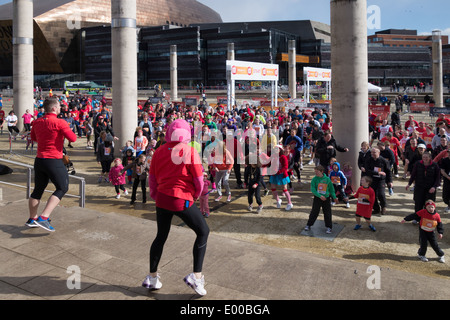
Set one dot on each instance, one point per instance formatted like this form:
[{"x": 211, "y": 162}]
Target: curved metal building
[{"x": 59, "y": 22}]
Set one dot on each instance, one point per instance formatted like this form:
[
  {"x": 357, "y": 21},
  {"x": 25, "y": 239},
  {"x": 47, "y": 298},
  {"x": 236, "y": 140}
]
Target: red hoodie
[
  {"x": 49, "y": 132},
  {"x": 172, "y": 182}
]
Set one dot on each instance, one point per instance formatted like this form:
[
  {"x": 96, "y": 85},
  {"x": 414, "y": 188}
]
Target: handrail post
[
  {"x": 28, "y": 183},
  {"x": 82, "y": 193}
]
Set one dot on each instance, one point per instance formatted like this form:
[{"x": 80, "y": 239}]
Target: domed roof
[{"x": 149, "y": 12}]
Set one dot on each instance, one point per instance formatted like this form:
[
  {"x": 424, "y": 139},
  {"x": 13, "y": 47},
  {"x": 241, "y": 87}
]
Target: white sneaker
[
  {"x": 289, "y": 206},
  {"x": 197, "y": 284},
  {"x": 118, "y": 196},
  {"x": 250, "y": 208},
  {"x": 442, "y": 259},
  {"x": 347, "y": 205},
  {"x": 310, "y": 162},
  {"x": 152, "y": 282},
  {"x": 279, "y": 204},
  {"x": 422, "y": 258},
  {"x": 328, "y": 230},
  {"x": 333, "y": 203},
  {"x": 218, "y": 199},
  {"x": 259, "y": 210},
  {"x": 125, "y": 192},
  {"x": 229, "y": 198}
]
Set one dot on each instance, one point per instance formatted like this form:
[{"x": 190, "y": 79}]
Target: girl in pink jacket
[{"x": 116, "y": 178}]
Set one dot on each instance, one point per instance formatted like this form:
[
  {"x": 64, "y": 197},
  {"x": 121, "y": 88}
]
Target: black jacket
[
  {"x": 388, "y": 154},
  {"x": 326, "y": 154},
  {"x": 362, "y": 157},
  {"x": 426, "y": 177},
  {"x": 380, "y": 163}
]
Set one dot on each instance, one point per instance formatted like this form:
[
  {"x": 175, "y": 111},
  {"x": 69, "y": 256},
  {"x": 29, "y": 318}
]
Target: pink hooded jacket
[
  {"x": 115, "y": 177},
  {"x": 176, "y": 169}
]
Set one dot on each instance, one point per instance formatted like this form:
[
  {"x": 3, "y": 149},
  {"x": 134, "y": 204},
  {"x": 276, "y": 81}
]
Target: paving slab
[{"x": 111, "y": 251}]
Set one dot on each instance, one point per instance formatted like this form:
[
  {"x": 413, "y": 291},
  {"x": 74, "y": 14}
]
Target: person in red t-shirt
[
  {"x": 396, "y": 147},
  {"x": 443, "y": 118},
  {"x": 49, "y": 132},
  {"x": 411, "y": 123},
  {"x": 430, "y": 221},
  {"x": 366, "y": 199}
]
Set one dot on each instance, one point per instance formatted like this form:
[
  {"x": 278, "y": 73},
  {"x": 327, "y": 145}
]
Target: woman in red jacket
[
  {"x": 281, "y": 178},
  {"x": 176, "y": 181}
]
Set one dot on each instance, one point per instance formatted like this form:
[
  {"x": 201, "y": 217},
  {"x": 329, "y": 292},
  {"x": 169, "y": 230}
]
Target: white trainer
[
  {"x": 197, "y": 284},
  {"x": 279, "y": 204},
  {"x": 152, "y": 283}
]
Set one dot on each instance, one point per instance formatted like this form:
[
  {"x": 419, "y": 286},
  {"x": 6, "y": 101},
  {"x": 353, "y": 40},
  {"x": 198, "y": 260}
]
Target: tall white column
[
  {"x": 231, "y": 83},
  {"x": 292, "y": 69},
  {"x": 174, "y": 72},
  {"x": 124, "y": 68},
  {"x": 23, "y": 69},
  {"x": 438, "y": 77},
  {"x": 349, "y": 64}
]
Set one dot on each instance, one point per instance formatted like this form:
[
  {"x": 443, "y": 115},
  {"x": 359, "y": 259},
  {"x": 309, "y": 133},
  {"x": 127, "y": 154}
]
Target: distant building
[
  {"x": 403, "y": 39},
  {"x": 202, "y": 50},
  {"x": 446, "y": 64}
]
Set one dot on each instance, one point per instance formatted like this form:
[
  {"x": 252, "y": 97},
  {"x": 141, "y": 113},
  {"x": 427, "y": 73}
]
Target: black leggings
[
  {"x": 194, "y": 220},
  {"x": 53, "y": 170}
]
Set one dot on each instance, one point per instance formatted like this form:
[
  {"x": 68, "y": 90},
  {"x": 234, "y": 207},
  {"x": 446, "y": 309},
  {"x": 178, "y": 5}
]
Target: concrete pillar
[
  {"x": 231, "y": 83},
  {"x": 124, "y": 68},
  {"x": 292, "y": 69},
  {"x": 349, "y": 64},
  {"x": 173, "y": 73},
  {"x": 23, "y": 57},
  {"x": 438, "y": 77}
]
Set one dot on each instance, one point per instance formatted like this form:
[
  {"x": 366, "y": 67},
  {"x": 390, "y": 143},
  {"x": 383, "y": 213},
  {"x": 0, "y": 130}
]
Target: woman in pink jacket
[{"x": 176, "y": 182}]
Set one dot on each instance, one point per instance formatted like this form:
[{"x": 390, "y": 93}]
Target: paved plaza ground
[{"x": 272, "y": 233}]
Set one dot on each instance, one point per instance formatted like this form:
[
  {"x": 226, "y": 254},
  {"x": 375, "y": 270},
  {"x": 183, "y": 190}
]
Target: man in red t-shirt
[{"x": 49, "y": 132}]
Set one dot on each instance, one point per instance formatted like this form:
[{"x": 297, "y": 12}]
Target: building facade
[
  {"x": 60, "y": 23},
  {"x": 403, "y": 39}
]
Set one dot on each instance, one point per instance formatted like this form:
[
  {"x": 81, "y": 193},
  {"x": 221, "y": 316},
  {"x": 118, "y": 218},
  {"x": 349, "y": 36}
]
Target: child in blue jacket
[{"x": 339, "y": 181}]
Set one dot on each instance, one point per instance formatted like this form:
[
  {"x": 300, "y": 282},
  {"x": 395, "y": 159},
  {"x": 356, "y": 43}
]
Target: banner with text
[{"x": 244, "y": 70}]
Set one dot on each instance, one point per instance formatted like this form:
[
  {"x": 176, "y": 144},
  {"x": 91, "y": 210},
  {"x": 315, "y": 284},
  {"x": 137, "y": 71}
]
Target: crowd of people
[{"x": 249, "y": 140}]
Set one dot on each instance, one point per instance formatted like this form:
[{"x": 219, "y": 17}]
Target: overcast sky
[{"x": 421, "y": 15}]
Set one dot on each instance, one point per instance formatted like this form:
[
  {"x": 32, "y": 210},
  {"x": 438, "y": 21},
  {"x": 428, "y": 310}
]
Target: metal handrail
[{"x": 82, "y": 182}]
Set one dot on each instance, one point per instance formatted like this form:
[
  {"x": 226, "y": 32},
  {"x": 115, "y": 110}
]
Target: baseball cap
[{"x": 422, "y": 146}]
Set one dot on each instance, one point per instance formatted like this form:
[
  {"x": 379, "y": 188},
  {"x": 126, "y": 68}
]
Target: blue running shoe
[
  {"x": 357, "y": 227},
  {"x": 45, "y": 224}
]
